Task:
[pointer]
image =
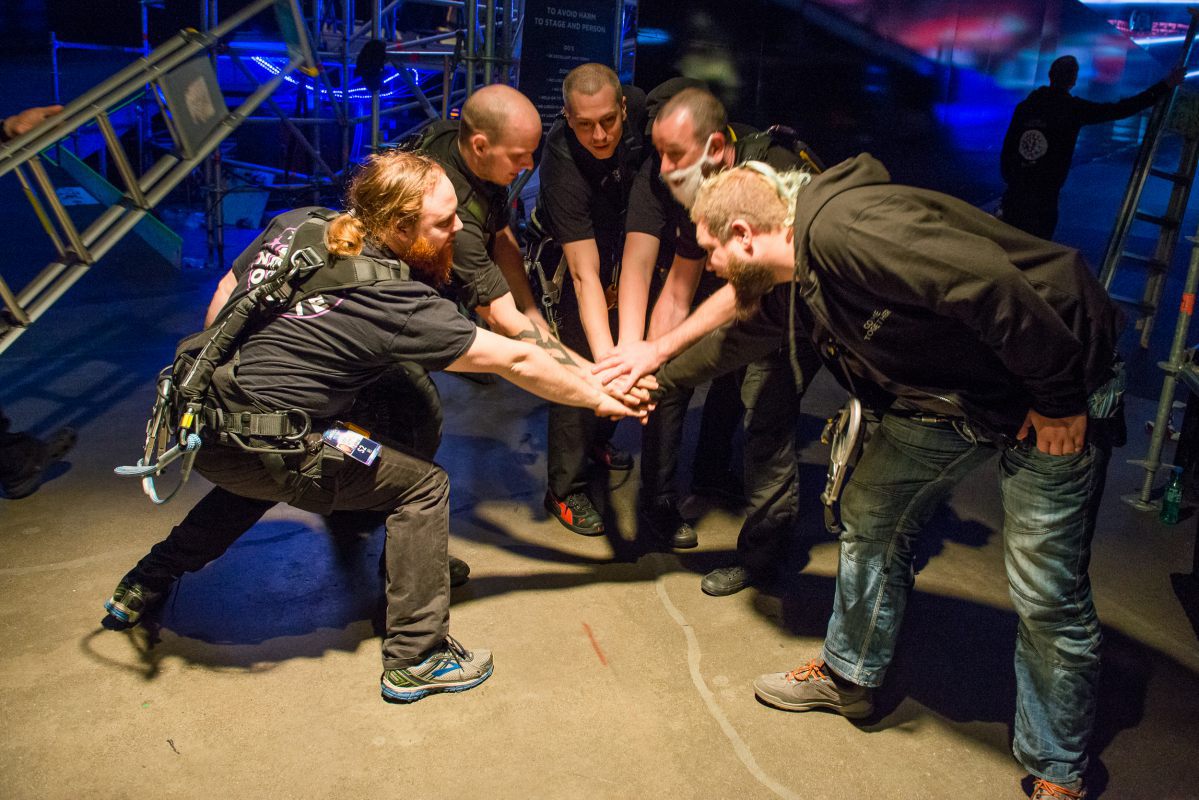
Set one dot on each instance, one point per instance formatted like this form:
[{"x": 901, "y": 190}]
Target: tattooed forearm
[{"x": 551, "y": 345}]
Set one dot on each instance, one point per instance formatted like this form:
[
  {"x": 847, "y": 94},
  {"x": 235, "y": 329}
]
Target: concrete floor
[{"x": 615, "y": 676}]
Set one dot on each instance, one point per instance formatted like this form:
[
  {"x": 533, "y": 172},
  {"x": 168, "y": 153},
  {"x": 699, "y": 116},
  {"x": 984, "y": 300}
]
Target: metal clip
[
  {"x": 843, "y": 434},
  {"x": 306, "y": 260}
]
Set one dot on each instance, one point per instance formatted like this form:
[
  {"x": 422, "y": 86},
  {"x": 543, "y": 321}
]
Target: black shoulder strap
[
  {"x": 418, "y": 140},
  {"x": 318, "y": 271},
  {"x": 755, "y": 145},
  {"x": 786, "y": 137}
]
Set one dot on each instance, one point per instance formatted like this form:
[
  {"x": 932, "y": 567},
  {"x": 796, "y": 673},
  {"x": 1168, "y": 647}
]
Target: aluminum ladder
[{"x": 1168, "y": 116}]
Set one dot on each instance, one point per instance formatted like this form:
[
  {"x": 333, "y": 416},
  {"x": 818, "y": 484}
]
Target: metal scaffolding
[
  {"x": 338, "y": 62},
  {"x": 197, "y": 119},
  {"x": 360, "y": 48}
]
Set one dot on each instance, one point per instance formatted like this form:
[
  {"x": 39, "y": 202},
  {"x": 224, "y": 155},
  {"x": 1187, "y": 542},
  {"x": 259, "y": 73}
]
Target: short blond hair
[
  {"x": 738, "y": 193},
  {"x": 589, "y": 79}
]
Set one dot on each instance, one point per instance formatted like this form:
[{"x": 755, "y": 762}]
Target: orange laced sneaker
[
  {"x": 810, "y": 687},
  {"x": 1044, "y": 790}
]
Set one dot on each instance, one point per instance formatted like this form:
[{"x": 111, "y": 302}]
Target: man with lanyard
[
  {"x": 313, "y": 358},
  {"x": 693, "y": 138},
  {"x": 968, "y": 337},
  {"x": 591, "y": 156}
]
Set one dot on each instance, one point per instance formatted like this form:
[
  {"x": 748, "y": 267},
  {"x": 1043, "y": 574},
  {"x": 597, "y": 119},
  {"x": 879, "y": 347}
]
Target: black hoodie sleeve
[{"x": 1087, "y": 112}]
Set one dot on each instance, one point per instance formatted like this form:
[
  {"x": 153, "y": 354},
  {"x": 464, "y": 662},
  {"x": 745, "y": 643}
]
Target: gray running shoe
[
  {"x": 808, "y": 687},
  {"x": 131, "y": 600},
  {"x": 448, "y": 668}
]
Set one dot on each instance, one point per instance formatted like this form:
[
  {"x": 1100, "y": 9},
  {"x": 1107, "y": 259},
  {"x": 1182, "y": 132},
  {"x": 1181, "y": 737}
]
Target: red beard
[{"x": 431, "y": 265}]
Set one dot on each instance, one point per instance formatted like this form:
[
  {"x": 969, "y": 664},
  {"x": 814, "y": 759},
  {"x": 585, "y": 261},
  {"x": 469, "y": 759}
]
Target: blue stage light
[
  {"x": 653, "y": 36},
  {"x": 360, "y": 93}
]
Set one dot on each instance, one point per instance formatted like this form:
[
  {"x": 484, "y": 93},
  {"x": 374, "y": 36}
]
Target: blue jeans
[{"x": 1050, "y": 504}]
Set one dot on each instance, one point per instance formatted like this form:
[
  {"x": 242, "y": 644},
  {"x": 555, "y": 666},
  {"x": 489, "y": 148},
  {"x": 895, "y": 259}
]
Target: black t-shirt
[
  {"x": 318, "y": 355},
  {"x": 583, "y": 197},
  {"x": 653, "y": 209},
  {"x": 483, "y": 208}
]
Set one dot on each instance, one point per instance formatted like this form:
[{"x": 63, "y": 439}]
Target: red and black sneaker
[
  {"x": 611, "y": 458},
  {"x": 575, "y": 512}
]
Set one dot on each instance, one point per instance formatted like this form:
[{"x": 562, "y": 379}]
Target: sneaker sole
[
  {"x": 575, "y": 529},
  {"x": 612, "y": 467},
  {"x": 121, "y": 612},
  {"x": 412, "y": 695},
  {"x": 859, "y": 710}
]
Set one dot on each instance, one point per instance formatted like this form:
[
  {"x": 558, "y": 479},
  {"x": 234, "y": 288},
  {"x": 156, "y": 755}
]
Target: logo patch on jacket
[
  {"x": 1033, "y": 145},
  {"x": 877, "y": 318}
]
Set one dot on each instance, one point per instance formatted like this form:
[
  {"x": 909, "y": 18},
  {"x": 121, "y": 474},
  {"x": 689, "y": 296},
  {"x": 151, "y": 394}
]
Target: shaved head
[
  {"x": 499, "y": 132},
  {"x": 497, "y": 110},
  {"x": 701, "y": 107}
]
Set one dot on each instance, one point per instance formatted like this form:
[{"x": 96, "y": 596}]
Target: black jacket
[
  {"x": 1039, "y": 144},
  {"x": 917, "y": 297}
]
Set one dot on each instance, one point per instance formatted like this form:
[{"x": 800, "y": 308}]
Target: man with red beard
[
  {"x": 311, "y": 360},
  {"x": 402, "y": 405}
]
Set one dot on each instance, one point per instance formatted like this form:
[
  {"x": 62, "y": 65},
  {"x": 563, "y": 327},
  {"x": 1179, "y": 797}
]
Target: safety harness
[
  {"x": 198, "y": 398},
  {"x": 755, "y": 146}
]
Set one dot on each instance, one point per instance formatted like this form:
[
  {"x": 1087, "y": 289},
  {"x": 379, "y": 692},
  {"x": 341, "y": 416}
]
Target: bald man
[{"x": 483, "y": 152}]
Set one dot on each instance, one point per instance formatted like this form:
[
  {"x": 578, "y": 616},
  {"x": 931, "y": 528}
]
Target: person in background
[{"x": 1039, "y": 144}]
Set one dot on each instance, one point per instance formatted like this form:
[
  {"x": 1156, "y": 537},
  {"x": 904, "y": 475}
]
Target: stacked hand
[
  {"x": 636, "y": 402},
  {"x": 628, "y": 364}
]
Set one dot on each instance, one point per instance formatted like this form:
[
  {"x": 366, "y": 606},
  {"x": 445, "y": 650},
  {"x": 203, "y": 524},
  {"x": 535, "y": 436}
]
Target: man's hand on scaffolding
[{"x": 27, "y": 120}]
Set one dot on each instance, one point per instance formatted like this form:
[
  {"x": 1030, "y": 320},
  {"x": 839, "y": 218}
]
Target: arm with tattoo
[{"x": 543, "y": 339}]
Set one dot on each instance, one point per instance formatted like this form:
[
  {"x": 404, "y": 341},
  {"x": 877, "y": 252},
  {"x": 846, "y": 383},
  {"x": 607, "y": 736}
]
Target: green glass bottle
[{"x": 1172, "y": 500}]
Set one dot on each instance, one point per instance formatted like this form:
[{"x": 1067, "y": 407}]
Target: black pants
[
  {"x": 771, "y": 398},
  {"x": 414, "y": 492},
  {"x": 572, "y": 432},
  {"x": 770, "y": 395},
  {"x": 662, "y": 438}
]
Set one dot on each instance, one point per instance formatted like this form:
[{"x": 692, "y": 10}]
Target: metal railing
[{"x": 77, "y": 250}]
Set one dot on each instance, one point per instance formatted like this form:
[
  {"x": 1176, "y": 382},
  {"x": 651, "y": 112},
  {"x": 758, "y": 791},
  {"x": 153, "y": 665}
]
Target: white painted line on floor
[{"x": 693, "y": 658}]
